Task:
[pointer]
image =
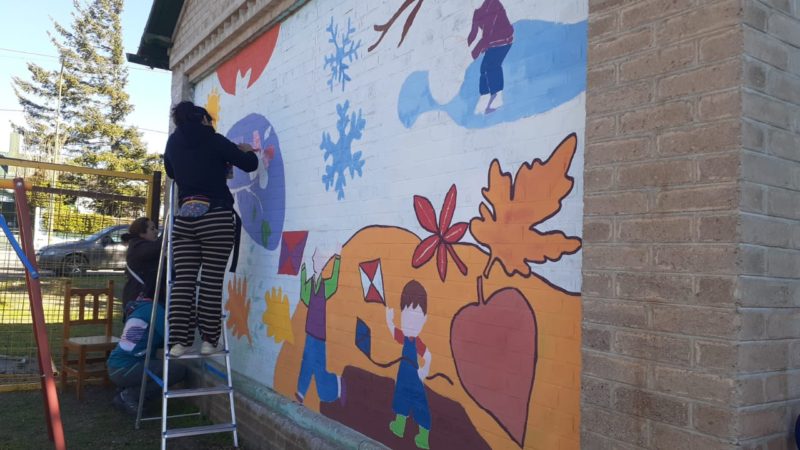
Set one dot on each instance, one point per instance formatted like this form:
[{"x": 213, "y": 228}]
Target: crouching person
[{"x": 126, "y": 362}]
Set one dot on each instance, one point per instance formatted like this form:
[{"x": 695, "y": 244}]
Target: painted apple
[{"x": 494, "y": 349}]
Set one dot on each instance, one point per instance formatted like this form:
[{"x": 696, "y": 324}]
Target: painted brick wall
[
  {"x": 401, "y": 149},
  {"x": 661, "y": 224}
]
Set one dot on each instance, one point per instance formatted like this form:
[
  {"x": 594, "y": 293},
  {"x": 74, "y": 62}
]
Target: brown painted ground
[{"x": 368, "y": 407}]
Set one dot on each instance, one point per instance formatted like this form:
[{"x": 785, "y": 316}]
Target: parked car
[{"x": 102, "y": 250}]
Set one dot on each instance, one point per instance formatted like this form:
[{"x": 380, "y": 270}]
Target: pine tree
[{"x": 93, "y": 103}]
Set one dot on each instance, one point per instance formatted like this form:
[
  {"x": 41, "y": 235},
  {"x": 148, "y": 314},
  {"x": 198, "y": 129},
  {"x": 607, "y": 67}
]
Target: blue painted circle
[{"x": 262, "y": 210}]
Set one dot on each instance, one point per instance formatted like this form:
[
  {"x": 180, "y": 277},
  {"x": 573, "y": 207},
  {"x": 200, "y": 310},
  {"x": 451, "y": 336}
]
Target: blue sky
[{"x": 25, "y": 30}]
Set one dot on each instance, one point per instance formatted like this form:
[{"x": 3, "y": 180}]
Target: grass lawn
[
  {"x": 94, "y": 424},
  {"x": 17, "y": 342}
]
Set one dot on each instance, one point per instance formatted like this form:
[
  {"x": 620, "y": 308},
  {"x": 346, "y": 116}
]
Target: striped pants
[{"x": 201, "y": 245}]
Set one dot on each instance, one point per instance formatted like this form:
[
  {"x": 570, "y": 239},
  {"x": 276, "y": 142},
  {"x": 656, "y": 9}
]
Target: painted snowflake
[
  {"x": 345, "y": 51},
  {"x": 350, "y": 129}
]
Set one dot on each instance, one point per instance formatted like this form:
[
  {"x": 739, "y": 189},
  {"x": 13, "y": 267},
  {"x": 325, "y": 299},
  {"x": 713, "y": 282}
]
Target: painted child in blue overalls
[{"x": 409, "y": 392}]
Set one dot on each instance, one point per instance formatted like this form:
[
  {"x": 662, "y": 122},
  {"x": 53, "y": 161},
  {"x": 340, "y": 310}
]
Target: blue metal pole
[{"x": 14, "y": 244}]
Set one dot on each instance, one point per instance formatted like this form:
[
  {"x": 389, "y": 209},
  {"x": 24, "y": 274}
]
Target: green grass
[
  {"x": 94, "y": 423},
  {"x": 15, "y": 306},
  {"x": 17, "y": 343}
]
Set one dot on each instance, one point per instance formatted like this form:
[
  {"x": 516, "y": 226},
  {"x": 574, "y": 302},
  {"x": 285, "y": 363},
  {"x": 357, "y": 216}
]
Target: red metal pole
[{"x": 51, "y": 407}]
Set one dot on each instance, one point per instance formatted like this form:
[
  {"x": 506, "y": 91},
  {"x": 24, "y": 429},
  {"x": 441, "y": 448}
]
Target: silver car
[{"x": 102, "y": 250}]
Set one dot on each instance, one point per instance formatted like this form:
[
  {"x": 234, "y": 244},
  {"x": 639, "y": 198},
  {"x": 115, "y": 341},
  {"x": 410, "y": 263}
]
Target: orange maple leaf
[
  {"x": 238, "y": 307},
  {"x": 534, "y": 196}
]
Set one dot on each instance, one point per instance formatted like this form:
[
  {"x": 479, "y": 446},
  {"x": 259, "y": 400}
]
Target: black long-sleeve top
[{"x": 196, "y": 157}]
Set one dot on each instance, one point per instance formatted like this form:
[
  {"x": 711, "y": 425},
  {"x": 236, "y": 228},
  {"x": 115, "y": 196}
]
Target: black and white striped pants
[{"x": 200, "y": 245}]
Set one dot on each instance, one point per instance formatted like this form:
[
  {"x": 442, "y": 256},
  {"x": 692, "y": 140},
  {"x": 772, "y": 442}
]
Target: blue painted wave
[{"x": 545, "y": 67}]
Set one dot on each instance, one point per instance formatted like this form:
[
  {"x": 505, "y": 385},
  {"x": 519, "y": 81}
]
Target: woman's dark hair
[
  {"x": 138, "y": 227},
  {"x": 187, "y": 112}
]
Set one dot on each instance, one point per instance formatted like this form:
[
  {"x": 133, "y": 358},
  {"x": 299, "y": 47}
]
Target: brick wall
[
  {"x": 691, "y": 216},
  {"x": 210, "y": 31},
  {"x": 263, "y": 425},
  {"x": 769, "y": 352},
  {"x": 661, "y": 224}
]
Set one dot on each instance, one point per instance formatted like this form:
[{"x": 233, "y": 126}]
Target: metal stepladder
[{"x": 166, "y": 392}]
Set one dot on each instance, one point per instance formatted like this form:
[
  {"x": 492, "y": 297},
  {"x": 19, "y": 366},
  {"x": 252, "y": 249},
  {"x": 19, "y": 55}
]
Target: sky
[{"x": 25, "y": 31}]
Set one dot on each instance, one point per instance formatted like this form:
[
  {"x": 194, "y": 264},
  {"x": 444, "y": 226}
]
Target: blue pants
[
  {"x": 409, "y": 396},
  {"x": 314, "y": 363},
  {"x": 130, "y": 378},
  {"x": 492, "y": 69}
]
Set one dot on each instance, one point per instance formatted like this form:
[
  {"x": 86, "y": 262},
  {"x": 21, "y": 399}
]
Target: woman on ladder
[{"x": 203, "y": 234}]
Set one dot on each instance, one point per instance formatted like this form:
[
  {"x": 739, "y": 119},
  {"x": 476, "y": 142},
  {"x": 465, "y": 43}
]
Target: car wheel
[{"x": 73, "y": 265}]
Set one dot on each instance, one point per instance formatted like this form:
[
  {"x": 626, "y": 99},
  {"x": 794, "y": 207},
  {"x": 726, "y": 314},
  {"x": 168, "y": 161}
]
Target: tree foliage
[{"x": 93, "y": 105}]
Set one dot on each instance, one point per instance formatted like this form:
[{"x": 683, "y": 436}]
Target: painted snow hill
[{"x": 545, "y": 67}]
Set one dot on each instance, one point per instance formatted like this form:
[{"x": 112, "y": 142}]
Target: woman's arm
[
  {"x": 144, "y": 252},
  {"x": 247, "y": 161},
  {"x": 152, "y": 250},
  {"x": 168, "y": 167}
]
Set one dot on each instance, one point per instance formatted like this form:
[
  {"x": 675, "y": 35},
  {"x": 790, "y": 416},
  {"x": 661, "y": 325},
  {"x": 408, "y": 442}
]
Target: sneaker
[
  {"x": 207, "y": 348},
  {"x": 125, "y": 404},
  {"x": 178, "y": 350}
]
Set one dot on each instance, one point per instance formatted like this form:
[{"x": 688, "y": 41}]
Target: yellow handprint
[
  {"x": 276, "y": 317},
  {"x": 213, "y": 106}
]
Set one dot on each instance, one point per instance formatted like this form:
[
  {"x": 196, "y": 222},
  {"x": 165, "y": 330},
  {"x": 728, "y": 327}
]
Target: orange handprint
[{"x": 238, "y": 308}]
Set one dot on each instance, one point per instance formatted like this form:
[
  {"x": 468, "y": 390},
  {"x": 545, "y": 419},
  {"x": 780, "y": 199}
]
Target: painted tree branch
[{"x": 384, "y": 28}]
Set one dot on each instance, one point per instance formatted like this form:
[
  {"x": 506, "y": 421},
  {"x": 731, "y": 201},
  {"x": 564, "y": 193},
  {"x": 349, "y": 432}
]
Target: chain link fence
[{"x": 78, "y": 217}]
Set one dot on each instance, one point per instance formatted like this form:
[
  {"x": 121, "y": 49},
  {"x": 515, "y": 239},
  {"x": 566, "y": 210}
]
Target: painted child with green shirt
[{"x": 315, "y": 292}]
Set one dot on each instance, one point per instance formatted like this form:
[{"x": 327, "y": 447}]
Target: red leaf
[
  {"x": 455, "y": 233},
  {"x": 461, "y": 266},
  {"x": 448, "y": 208},
  {"x": 441, "y": 260},
  {"x": 425, "y": 213},
  {"x": 424, "y": 251}
]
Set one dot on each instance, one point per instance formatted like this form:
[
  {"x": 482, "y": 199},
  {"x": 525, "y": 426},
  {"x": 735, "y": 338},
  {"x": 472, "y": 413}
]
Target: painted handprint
[
  {"x": 276, "y": 316},
  {"x": 238, "y": 308}
]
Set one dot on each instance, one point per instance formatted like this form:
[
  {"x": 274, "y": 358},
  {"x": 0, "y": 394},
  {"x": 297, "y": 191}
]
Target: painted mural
[{"x": 419, "y": 281}]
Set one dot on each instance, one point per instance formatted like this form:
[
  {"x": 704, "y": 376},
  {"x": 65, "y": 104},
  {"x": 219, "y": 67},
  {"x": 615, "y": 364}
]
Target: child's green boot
[
  {"x": 398, "y": 425},
  {"x": 422, "y": 438}
]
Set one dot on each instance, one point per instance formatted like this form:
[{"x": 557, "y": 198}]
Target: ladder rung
[
  {"x": 174, "y": 416},
  {"x": 194, "y": 431},
  {"x": 177, "y": 393},
  {"x": 194, "y": 354}
]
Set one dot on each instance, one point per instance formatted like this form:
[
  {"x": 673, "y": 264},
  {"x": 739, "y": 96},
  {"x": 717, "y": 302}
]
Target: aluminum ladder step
[
  {"x": 179, "y": 393},
  {"x": 195, "y": 431},
  {"x": 166, "y": 259},
  {"x": 195, "y": 354}
]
